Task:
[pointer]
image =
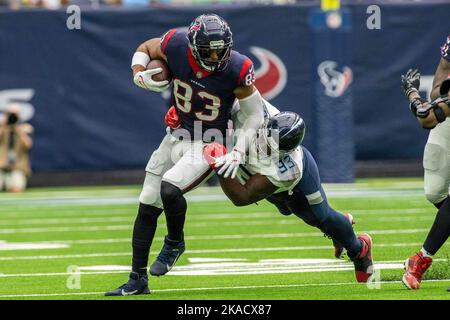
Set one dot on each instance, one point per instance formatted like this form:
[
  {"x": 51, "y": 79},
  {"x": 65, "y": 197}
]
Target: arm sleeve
[{"x": 251, "y": 114}]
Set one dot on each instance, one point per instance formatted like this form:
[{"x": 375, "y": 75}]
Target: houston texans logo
[
  {"x": 334, "y": 81},
  {"x": 195, "y": 27},
  {"x": 271, "y": 76}
]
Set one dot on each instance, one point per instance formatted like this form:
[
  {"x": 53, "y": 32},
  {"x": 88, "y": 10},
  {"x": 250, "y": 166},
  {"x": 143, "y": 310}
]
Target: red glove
[
  {"x": 212, "y": 151},
  {"x": 172, "y": 119}
]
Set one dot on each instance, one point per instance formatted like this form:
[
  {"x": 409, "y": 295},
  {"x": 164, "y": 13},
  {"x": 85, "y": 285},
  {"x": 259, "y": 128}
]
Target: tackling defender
[
  {"x": 282, "y": 171},
  {"x": 208, "y": 76},
  {"x": 436, "y": 161}
]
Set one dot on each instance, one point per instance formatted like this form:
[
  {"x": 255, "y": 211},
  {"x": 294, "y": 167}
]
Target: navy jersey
[
  {"x": 202, "y": 97},
  {"x": 445, "y": 49}
]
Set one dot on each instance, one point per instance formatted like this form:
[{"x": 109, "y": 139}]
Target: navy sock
[
  {"x": 175, "y": 209},
  {"x": 337, "y": 226},
  {"x": 143, "y": 234},
  {"x": 440, "y": 231}
]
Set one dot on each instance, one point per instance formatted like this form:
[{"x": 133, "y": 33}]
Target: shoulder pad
[
  {"x": 243, "y": 68},
  {"x": 173, "y": 39}
]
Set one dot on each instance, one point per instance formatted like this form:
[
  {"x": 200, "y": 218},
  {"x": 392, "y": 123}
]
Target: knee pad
[
  {"x": 436, "y": 199},
  {"x": 434, "y": 157},
  {"x": 436, "y": 188},
  {"x": 150, "y": 194},
  {"x": 171, "y": 195},
  {"x": 170, "y": 192},
  {"x": 149, "y": 211},
  {"x": 147, "y": 214},
  {"x": 436, "y": 173}
]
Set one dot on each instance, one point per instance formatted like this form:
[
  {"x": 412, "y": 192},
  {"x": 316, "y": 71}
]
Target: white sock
[{"x": 425, "y": 253}]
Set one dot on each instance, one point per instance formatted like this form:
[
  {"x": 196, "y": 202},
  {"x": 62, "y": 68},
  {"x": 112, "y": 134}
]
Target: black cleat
[
  {"x": 135, "y": 285},
  {"x": 167, "y": 258}
]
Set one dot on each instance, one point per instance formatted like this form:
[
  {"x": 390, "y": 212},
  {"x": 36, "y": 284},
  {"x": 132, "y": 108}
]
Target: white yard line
[
  {"x": 231, "y": 236},
  {"x": 96, "y": 215},
  {"x": 208, "y": 224},
  {"x": 66, "y": 229},
  {"x": 225, "y": 267},
  {"x": 223, "y": 216},
  {"x": 214, "y": 288},
  {"x": 89, "y": 199},
  {"x": 120, "y": 227},
  {"x": 129, "y": 218},
  {"x": 230, "y": 250}
]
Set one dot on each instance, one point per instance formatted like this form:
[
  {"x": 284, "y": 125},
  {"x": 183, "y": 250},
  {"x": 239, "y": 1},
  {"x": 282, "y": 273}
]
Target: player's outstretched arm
[
  {"x": 429, "y": 114},
  {"x": 252, "y": 108},
  {"x": 258, "y": 187}
]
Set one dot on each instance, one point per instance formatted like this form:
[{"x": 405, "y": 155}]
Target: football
[{"x": 164, "y": 74}]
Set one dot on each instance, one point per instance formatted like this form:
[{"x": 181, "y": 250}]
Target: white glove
[
  {"x": 144, "y": 80},
  {"x": 229, "y": 163}
]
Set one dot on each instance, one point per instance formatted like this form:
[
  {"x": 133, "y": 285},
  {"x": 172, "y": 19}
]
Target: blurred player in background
[
  {"x": 436, "y": 161},
  {"x": 208, "y": 76},
  {"x": 282, "y": 171},
  {"x": 15, "y": 145}
]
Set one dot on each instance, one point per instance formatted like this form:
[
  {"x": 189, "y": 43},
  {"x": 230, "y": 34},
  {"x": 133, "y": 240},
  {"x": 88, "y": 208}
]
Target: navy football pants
[{"x": 309, "y": 203}]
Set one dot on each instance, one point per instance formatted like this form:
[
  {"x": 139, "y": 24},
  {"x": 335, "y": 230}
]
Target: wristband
[
  {"x": 140, "y": 58},
  {"x": 439, "y": 114},
  {"x": 414, "y": 105},
  {"x": 411, "y": 90}
]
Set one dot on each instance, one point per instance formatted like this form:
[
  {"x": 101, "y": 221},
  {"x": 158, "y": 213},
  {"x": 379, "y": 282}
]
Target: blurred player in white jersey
[{"x": 436, "y": 160}]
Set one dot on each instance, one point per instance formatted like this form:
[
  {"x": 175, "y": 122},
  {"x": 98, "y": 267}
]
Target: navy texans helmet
[
  {"x": 283, "y": 132},
  {"x": 210, "y": 32}
]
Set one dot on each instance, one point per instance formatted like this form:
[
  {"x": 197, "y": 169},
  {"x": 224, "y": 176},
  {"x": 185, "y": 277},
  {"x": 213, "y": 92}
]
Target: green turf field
[{"x": 75, "y": 243}]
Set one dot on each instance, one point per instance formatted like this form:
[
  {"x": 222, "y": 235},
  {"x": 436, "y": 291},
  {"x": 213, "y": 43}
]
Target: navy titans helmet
[
  {"x": 283, "y": 132},
  {"x": 210, "y": 32}
]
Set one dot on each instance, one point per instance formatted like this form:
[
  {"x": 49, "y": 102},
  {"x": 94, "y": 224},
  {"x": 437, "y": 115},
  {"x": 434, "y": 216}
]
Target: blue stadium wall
[{"x": 76, "y": 86}]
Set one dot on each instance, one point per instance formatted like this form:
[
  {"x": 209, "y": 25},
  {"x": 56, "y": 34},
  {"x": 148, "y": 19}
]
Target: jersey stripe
[
  {"x": 247, "y": 63},
  {"x": 166, "y": 39}
]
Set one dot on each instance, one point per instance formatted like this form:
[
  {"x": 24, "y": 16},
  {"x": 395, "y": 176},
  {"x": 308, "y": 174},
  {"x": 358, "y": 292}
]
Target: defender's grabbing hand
[
  {"x": 213, "y": 151},
  {"x": 229, "y": 163},
  {"x": 143, "y": 79},
  {"x": 411, "y": 82}
]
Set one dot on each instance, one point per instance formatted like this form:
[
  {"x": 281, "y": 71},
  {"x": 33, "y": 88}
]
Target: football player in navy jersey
[
  {"x": 207, "y": 77},
  {"x": 284, "y": 172},
  {"x": 436, "y": 161}
]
